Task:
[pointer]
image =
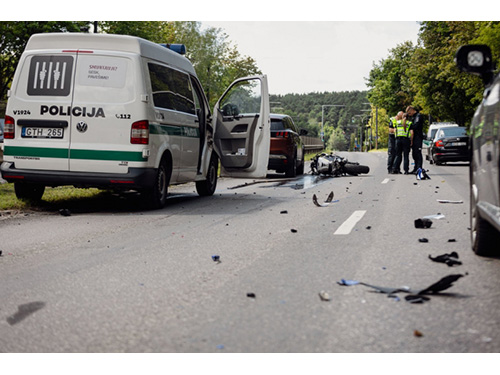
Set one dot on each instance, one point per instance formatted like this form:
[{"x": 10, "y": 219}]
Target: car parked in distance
[
  {"x": 286, "y": 154},
  {"x": 431, "y": 134},
  {"x": 450, "y": 144},
  {"x": 485, "y": 152}
]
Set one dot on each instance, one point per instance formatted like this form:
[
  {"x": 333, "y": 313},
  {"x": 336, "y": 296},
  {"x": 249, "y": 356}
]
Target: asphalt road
[{"x": 110, "y": 279}]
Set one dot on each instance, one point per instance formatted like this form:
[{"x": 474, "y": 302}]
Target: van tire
[
  {"x": 207, "y": 187},
  {"x": 156, "y": 196},
  {"x": 29, "y": 192}
]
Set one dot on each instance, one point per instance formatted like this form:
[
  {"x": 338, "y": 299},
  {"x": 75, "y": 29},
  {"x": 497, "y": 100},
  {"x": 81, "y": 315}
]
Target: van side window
[{"x": 171, "y": 89}]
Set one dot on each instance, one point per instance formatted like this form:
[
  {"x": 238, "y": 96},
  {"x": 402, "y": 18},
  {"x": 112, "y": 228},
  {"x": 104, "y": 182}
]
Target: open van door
[{"x": 242, "y": 133}]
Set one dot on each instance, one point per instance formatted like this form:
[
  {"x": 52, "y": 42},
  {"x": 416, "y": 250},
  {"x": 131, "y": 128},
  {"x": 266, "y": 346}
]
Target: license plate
[
  {"x": 42, "y": 132},
  {"x": 458, "y": 143}
]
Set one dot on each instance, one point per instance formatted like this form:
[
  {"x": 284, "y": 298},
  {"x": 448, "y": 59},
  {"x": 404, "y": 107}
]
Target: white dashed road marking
[
  {"x": 347, "y": 225},
  {"x": 386, "y": 181}
]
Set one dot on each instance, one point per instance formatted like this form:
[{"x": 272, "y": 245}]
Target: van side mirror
[{"x": 476, "y": 59}]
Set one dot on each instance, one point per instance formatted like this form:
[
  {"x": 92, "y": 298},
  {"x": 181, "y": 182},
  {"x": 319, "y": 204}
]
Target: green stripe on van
[
  {"x": 36, "y": 152},
  {"x": 60, "y": 153},
  {"x": 107, "y": 155},
  {"x": 181, "y": 131}
]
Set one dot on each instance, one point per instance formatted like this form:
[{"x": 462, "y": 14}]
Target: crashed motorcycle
[{"x": 335, "y": 165}]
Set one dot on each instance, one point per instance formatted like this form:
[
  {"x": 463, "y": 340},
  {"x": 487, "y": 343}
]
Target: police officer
[
  {"x": 404, "y": 139},
  {"x": 391, "y": 147},
  {"x": 418, "y": 137}
]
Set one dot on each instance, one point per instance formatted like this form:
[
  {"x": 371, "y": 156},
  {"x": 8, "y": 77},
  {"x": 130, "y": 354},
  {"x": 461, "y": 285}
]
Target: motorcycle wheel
[{"x": 355, "y": 169}]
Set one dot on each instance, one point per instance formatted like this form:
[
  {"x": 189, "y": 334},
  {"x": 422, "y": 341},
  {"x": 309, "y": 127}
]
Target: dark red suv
[{"x": 287, "y": 150}]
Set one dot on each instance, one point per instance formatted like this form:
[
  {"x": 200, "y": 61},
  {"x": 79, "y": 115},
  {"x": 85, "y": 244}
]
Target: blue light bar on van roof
[{"x": 179, "y": 48}]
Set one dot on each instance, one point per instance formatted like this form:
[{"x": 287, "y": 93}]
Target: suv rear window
[{"x": 277, "y": 125}]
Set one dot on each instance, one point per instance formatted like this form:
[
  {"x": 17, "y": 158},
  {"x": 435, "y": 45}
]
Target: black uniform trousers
[
  {"x": 391, "y": 152},
  {"x": 417, "y": 151},
  {"x": 402, "y": 154}
]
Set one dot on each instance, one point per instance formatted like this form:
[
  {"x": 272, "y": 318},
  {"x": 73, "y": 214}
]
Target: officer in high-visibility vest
[
  {"x": 391, "y": 147},
  {"x": 404, "y": 140}
]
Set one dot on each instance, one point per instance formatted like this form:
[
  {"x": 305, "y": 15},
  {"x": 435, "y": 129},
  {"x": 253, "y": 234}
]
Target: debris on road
[
  {"x": 423, "y": 223},
  {"x": 251, "y": 295},
  {"x": 449, "y": 259},
  {"x": 417, "y": 333},
  {"x": 414, "y": 296},
  {"x": 423, "y": 240},
  {"x": 327, "y": 201},
  {"x": 216, "y": 258},
  {"x": 284, "y": 212},
  {"x": 23, "y": 311},
  {"x": 443, "y": 284},
  {"x": 448, "y": 201},
  {"x": 324, "y": 296},
  {"x": 65, "y": 212},
  {"x": 434, "y": 217},
  {"x": 293, "y": 230}
]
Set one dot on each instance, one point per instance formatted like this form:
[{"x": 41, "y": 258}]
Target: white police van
[{"x": 120, "y": 112}]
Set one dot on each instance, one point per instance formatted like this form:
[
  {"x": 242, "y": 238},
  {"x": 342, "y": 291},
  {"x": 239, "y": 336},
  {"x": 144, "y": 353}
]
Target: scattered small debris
[
  {"x": 443, "y": 284},
  {"x": 368, "y": 227},
  {"x": 324, "y": 296},
  {"x": 423, "y": 240},
  {"x": 251, "y": 295},
  {"x": 284, "y": 212},
  {"x": 448, "y": 201},
  {"x": 293, "y": 230},
  {"x": 65, "y": 212},
  {"x": 347, "y": 282},
  {"x": 449, "y": 259},
  {"x": 434, "y": 217},
  {"x": 216, "y": 258},
  {"x": 327, "y": 202},
  {"x": 23, "y": 311},
  {"x": 452, "y": 240},
  {"x": 412, "y": 298},
  {"x": 423, "y": 223},
  {"x": 0, "y": 253},
  {"x": 417, "y": 333}
]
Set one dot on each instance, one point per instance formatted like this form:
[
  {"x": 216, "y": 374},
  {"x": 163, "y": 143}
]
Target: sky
[{"x": 316, "y": 56}]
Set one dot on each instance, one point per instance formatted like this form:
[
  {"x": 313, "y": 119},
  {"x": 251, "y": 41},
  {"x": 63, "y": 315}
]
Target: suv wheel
[{"x": 484, "y": 237}]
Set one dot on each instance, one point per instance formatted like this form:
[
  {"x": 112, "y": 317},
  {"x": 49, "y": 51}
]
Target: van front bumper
[{"x": 136, "y": 178}]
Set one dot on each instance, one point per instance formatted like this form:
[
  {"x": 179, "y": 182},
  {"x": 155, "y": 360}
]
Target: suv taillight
[
  {"x": 439, "y": 143},
  {"x": 9, "y": 128},
  {"x": 140, "y": 133}
]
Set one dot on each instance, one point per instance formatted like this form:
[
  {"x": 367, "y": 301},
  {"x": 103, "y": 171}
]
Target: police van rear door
[
  {"x": 39, "y": 104},
  {"x": 242, "y": 128},
  {"x": 106, "y": 107}
]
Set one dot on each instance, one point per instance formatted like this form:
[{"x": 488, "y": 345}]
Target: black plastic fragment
[
  {"x": 443, "y": 284},
  {"x": 251, "y": 295},
  {"x": 423, "y": 240},
  {"x": 449, "y": 259},
  {"x": 423, "y": 223}
]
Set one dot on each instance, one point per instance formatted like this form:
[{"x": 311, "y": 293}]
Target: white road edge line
[
  {"x": 386, "y": 181},
  {"x": 347, "y": 225}
]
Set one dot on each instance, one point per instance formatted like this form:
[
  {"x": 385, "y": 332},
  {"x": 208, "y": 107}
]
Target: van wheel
[
  {"x": 156, "y": 196},
  {"x": 29, "y": 192},
  {"x": 207, "y": 187}
]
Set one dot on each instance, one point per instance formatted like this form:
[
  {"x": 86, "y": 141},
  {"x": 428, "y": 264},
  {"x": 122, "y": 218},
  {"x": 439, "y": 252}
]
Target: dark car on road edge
[
  {"x": 485, "y": 152},
  {"x": 450, "y": 144},
  {"x": 286, "y": 153}
]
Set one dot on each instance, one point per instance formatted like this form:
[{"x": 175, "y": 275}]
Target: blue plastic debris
[{"x": 347, "y": 282}]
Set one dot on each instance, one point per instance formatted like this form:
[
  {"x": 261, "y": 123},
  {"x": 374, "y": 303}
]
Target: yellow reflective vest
[{"x": 400, "y": 129}]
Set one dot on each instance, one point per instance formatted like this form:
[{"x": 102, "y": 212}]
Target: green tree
[
  {"x": 13, "y": 39},
  {"x": 388, "y": 80},
  {"x": 337, "y": 140}
]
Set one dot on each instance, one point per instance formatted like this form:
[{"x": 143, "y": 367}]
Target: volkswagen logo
[{"x": 81, "y": 126}]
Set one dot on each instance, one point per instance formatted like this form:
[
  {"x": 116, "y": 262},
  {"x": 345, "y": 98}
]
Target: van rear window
[
  {"x": 50, "y": 75},
  {"x": 171, "y": 89}
]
